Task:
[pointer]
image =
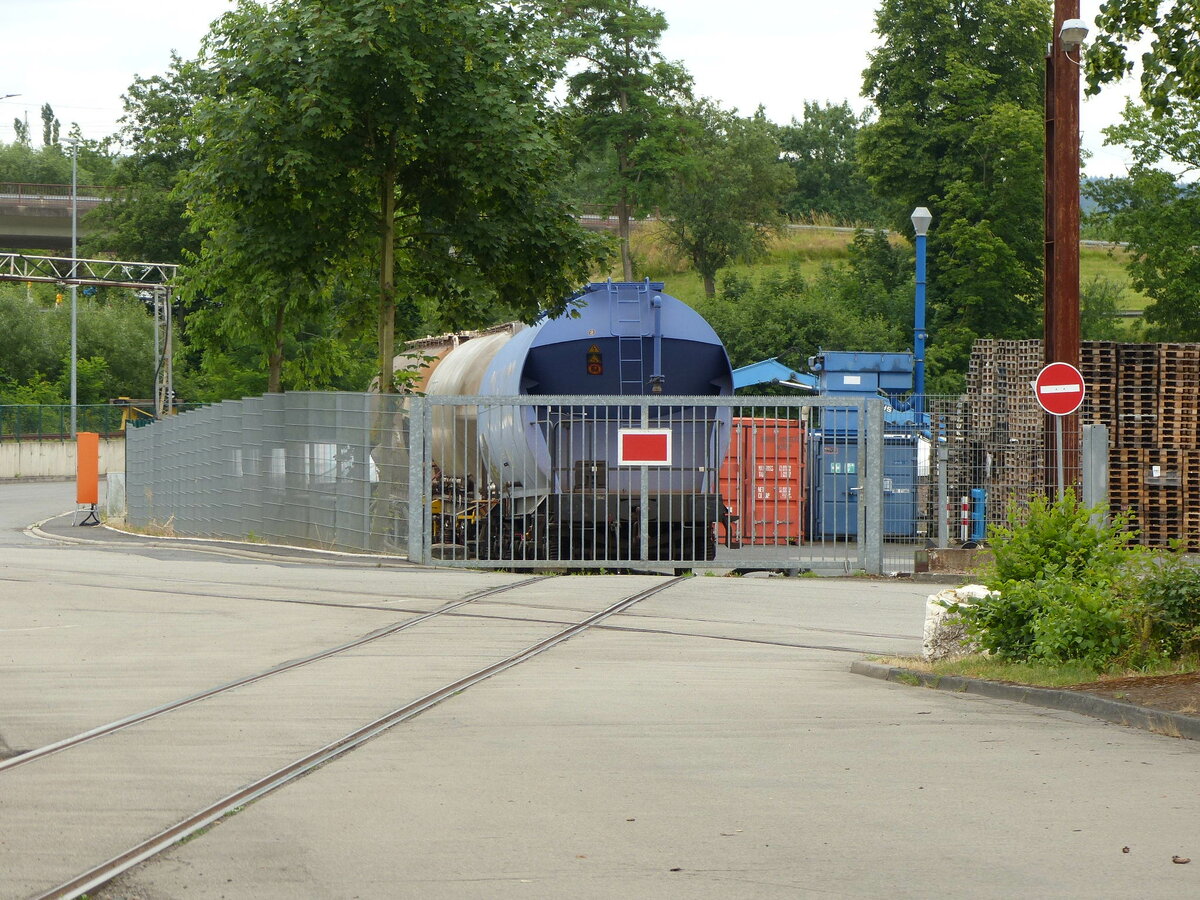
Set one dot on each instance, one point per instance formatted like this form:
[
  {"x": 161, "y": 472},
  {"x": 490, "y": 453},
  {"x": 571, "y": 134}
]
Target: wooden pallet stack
[
  {"x": 1005, "y": 437},
  {"x": 1149, "y": 397}
]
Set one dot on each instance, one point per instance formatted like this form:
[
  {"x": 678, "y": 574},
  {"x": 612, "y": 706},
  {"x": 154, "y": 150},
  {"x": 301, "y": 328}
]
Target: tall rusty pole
[{"x": 1061, "y": 323}]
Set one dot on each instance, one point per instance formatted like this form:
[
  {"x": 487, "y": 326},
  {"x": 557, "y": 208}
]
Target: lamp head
[
  {"x": 921, "y": 217},
  {"x": 1072, "y": 34}
]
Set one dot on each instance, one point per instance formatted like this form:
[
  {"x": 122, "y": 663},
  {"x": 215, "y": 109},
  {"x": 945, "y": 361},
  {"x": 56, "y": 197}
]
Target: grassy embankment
[{"x": 811, "y": 248}]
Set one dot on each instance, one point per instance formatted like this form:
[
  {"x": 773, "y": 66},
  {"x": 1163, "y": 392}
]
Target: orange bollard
[{"x": 87, "y": 471}]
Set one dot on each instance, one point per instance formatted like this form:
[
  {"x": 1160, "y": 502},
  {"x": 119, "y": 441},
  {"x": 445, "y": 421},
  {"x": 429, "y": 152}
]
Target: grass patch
[
  {"x": 1110, "y": 264},
  {"x": 809, "y": 248},
  {"x": 989, "y": 668}
]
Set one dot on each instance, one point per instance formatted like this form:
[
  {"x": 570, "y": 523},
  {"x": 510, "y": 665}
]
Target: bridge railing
[{"x": 23, "y": 193}]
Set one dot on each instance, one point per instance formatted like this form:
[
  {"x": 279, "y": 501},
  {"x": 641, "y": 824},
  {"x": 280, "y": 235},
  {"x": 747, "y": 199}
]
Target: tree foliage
[
  {"x": 115, "y": 346},
  {"x": 1170, "y": 72},
  {"x": 623, "y": 100},
  {"x": 1159, "y": 218},
  {"x": 792, "y": 317},
  {"x": 822, "y": 148},
  {"x": 147, "y": 222},
  {"x": 958, "y": 92},
  {"x": 412, "y": 134},
  {"x": 721, "y": 202}
]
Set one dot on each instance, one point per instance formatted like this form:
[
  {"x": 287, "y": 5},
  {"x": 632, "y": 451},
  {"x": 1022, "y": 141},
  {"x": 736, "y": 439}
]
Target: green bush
[
  {"x": 1062, "y": 538},
  {"x": 1072, "y": 588},
  {"x": 1165, "y": 613},
  {"x": 1062, "y": 575}
]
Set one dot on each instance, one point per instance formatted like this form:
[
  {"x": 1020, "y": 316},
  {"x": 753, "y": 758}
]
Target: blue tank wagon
[{"x": 551, "y": 472}]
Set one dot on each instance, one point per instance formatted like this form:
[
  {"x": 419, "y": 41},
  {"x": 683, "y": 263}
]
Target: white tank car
[{"x": 455, "y": 445}]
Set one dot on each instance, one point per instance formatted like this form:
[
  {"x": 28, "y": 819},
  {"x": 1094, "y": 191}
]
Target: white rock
[{"x": 945, "y": 633}]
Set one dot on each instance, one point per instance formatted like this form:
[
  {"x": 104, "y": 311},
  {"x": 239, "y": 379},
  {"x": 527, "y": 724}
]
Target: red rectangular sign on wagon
[{"x": 644, "y": 447}]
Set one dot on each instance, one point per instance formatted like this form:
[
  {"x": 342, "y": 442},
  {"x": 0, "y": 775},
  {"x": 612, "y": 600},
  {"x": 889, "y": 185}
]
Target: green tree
[
  {"x": 50, "y": 128},
  {"x": 623, "y": 100},
  {"x": 1159, "y": 217},
  {"x": 792, "y": 318},
  {"x": 822, "y": 149},
  {"x": 1169, "y": 71},
  {"x": 21, "y": 131},
  {"x": 958, "y": 92},
  {"x": 416, "y": 134},
  {"x": 148, "y": 222},
  {"x": 722, "y": 201}
]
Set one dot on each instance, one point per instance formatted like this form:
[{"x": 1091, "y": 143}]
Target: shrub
[
  {"x": 1062, "y": 578},
  {"x": 1063, "y": 537},
  {"x": 1165, "y": 612}
]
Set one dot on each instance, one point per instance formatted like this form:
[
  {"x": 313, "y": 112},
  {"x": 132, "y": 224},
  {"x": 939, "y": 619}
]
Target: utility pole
[{"x": 1061, "y": 316}]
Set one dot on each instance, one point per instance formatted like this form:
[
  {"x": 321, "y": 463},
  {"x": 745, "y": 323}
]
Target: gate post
[
  {"x": 871, "y": 480},
  {"x": 419, "y": 482},
  {"x": 1095, "y": 468}
]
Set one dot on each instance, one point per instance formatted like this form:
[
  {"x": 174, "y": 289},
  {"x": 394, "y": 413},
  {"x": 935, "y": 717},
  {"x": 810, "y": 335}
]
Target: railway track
[{"x": 59, "y": 755}]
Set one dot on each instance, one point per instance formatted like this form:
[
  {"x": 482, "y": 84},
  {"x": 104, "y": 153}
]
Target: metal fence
[
  {"x": 823, "y": 484},
  {"x": 33, "y": 422},
  {"x": 325, "y": 470}
]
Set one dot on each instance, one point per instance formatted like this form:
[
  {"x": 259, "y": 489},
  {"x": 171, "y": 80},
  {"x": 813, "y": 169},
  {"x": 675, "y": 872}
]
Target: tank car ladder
[{"x": 628, "y": 306}]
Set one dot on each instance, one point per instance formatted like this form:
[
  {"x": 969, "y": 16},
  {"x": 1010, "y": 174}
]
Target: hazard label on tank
[
  {"x": 595, "y": 361},
  {"x": 644, "y": 447}
]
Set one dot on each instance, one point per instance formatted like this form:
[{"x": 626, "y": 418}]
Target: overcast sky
[{"x": 81, "y": 56}]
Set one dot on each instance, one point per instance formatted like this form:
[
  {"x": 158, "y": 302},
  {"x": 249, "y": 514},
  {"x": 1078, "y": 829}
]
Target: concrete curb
[{"x": 1154, "y": 720}]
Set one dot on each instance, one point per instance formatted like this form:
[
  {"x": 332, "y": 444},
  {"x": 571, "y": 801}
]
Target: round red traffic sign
[{"x": 1059, "y": 389}]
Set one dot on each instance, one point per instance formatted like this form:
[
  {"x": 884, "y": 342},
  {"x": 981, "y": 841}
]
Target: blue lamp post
[{"x": 921, "y": 218}]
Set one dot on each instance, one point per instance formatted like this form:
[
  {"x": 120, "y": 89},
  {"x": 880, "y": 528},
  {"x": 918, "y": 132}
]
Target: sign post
[{"x": 1059, "y": 390}]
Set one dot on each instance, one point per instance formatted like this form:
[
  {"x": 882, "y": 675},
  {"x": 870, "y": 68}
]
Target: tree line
[{"x": 336, "y": 177}]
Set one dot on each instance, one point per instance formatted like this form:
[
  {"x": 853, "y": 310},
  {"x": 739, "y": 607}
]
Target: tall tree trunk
[
  {"x": 275, "y": 354},
  {"x": 623, "y": 228},
  {"x": 710, "y": 285},
  {"x": 387, "y": 281}
]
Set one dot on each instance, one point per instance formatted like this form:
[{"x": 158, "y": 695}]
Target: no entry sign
[
  {"x": 644, "y": 447},
  {"x": 1059, "y": 389}
]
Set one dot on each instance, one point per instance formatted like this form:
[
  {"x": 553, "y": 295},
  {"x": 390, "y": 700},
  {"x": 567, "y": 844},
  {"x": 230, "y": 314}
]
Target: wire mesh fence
[
  {"x": 326, "y": 470},
  {"x": 30, "y": 422},
  {"x": 827, "y": 484}
]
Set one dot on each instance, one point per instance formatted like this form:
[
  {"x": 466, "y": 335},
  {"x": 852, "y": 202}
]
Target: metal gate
[{"x": 789, "y": 484}]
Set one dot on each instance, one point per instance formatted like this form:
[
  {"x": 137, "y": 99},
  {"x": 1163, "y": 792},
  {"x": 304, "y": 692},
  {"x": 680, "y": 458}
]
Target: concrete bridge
[{"x": 38, "y": 216}]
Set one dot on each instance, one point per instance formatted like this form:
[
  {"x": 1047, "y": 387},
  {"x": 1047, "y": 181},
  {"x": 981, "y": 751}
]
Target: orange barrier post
[{"x": 87, "y": 473}]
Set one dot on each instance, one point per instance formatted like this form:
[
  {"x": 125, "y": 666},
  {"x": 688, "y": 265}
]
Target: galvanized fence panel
[
  {"x": 325, "y": 470},
  {"x": 746, "y": 482},
  {"x": 825, "y": 484}
]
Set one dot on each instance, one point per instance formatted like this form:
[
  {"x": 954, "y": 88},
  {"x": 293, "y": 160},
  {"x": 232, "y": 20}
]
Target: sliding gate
[{"x": 754, "y": 483}]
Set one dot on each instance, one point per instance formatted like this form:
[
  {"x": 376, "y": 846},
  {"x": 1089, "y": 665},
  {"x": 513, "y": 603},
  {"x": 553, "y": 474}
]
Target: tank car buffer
[{"x": 519, "y": 478}]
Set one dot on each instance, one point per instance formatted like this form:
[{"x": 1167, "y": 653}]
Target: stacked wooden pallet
[
  {"x": 1006, "y": 432},
  {"x": 1149, "y": 397}
]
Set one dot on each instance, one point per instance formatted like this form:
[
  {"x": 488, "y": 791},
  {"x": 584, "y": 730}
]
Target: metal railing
[{"x": 26, "y": 194}]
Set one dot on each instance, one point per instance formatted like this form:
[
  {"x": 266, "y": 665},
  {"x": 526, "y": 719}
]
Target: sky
[{"x": 80, "y": 56}]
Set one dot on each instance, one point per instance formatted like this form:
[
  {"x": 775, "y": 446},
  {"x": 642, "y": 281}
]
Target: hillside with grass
[{"x": 807, "y": 248}]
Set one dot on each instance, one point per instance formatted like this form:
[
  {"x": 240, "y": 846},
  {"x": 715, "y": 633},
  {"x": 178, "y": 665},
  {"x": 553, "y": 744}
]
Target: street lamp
[
  {"x": 1072, "y": 34},
  {"x": 921, "y": 218},
  {"x": 74, "y": 288}
]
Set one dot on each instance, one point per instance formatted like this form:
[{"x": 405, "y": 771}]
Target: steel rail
[
  {"x": 106, "y": 871},
  {"x": 146, "y": 715}
]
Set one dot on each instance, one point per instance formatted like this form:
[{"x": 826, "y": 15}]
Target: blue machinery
[{"x": 833, "y": 445}]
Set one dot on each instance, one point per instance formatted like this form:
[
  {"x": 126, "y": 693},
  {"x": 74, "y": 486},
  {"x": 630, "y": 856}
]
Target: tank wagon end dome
[{"x": 610, "y": 342}]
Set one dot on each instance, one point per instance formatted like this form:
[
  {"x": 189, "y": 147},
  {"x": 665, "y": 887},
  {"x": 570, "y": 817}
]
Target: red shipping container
[{"x": 763, "y": 480}]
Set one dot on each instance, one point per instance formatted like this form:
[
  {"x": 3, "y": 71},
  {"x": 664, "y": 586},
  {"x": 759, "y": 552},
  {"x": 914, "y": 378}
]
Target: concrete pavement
[{"x": 709, "y": 743}]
